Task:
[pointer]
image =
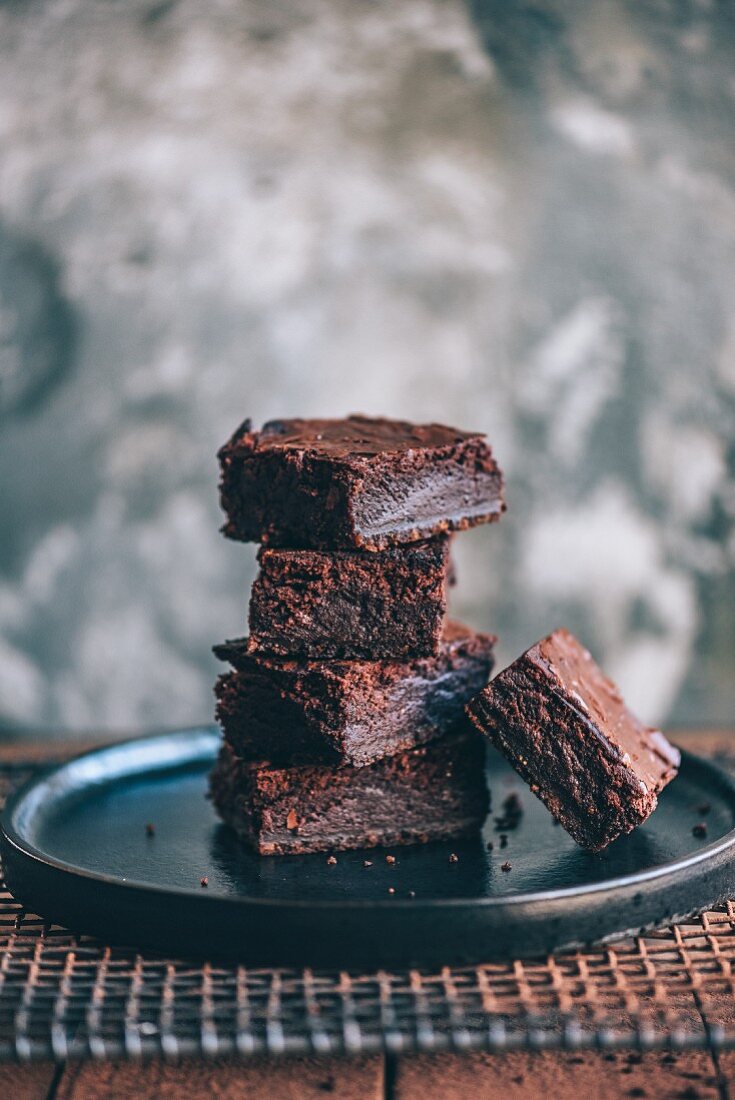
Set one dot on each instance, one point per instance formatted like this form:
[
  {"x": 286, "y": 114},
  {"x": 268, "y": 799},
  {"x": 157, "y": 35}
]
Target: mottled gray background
[{"x": 507, "y": 216}]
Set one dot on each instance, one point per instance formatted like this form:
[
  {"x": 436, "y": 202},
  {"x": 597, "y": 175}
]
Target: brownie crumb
[
  {"x": 390, "y": 860},
  {"x": 204, "y": 881},
  {"x": 700, "y": 829},
  {"x": 454, "y": 858},
  {"x": 512, "y": 813},
  {"x": 506, "y": 866},
  {"x": 367, "y": 863},
  {"x": 503, "y": 840},
  {"x": 150, "y": 830},
  {"x": 331, "y": 861},
  {"x": 489, "y": 845},
  {"x": 703, "y": 808}
]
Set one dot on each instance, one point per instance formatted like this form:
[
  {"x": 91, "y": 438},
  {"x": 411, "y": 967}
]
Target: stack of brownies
[{"x": 343, "y": 712}]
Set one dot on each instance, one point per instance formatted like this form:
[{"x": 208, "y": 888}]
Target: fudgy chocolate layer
[
  {"x": 429, "y": 793},
  {"x": 365, "y": 483},
  {"x": 355, "y": 712}
]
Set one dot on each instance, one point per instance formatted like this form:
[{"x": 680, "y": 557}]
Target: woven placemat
[{"x": 64, "y": 996}]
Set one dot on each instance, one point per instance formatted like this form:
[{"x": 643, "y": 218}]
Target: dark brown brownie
[
  {"x": 432, "y": 792},
  {"x": 350, "y": 604},
  {"x": 564, "y": 727},
  {"x": 354, "y": 712},
  {"x": 355, "y": 483}
]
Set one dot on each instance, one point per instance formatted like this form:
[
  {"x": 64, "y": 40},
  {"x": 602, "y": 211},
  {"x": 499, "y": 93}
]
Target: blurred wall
[{"x": 507, "y": 216}]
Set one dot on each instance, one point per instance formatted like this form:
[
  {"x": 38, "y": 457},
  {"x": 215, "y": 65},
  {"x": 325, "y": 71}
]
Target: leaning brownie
[
  {"x": 355, "y": 483},
  {"x": 432, "y": 792},
  {"x": 331, "y": 712},
  {"x": 564, "y": 727},
  {"x": 350, "y": 604}
]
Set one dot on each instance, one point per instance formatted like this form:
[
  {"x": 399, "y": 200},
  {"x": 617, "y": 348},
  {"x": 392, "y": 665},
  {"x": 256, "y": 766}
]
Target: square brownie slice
[
  {"x": 349, "y": 712},
  {"x": 432, "y": 792},
  {"x": 564, "y": 727},
  {"x": 357, "y": 483},
  {"x": 350, "y": 604}
]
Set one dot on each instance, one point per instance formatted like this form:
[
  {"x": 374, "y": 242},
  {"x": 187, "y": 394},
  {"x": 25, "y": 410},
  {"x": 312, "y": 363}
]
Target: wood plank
[
  {"x": 556, "y": 1076},
  {"x": 705, "y": 742},
  {"x": 27, "y": 1082},
  {"x": 259, "y": 1079},
  {"x": 40, "y": 750}
]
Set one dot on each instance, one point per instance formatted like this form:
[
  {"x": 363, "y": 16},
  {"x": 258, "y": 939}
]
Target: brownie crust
[
  {"x": 564, "y": 727},
  {"x": 433, "y": 792},
  {"x": 349, "y": 604},
  {"x": 358, "y": 483},
  {"x": 349, "y": 712}
]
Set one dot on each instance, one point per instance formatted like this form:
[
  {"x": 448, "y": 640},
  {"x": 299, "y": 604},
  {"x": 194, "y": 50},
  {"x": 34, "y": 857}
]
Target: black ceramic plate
[{"x": 76, "y": 851}]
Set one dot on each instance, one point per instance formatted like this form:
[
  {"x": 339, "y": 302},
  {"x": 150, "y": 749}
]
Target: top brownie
[{"x": 360, "y": 482}]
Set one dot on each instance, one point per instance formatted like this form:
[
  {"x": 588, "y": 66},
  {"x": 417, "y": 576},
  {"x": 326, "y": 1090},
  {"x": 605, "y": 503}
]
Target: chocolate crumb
[
  {"x": 700, "y": 829},
  {"x": 503, "y": 840},
  {"x": 506, "y": 866},
  {"x": 150, "y": 830},
  {"x": 390, "y": 859},
  {"x": 331, "y": 861},
  {"x": 454, "y": 858},
  {"x": 703, "y": 808},
  {"x": 489, "y": 845},
  {"x": 204, "y": 881},
  {"x": 512, "y": 813},
  {"x": 367, "y": 863}
]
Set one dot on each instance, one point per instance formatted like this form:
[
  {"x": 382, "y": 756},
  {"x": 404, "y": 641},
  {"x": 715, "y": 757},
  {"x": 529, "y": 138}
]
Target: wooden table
[{"x": 421, "y": 1077}]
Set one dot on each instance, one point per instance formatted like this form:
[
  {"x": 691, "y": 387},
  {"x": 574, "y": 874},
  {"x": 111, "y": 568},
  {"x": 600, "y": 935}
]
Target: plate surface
[{"x": 76, "y": 851}]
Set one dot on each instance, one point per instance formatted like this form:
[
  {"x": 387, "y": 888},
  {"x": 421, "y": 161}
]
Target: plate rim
[{"x": 11, "y": 836}]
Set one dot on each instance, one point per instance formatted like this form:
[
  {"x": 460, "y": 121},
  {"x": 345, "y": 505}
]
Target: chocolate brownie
[
  {"x": 356, "y": 483},
  {"x": 564, "y": 727},
  {"x": 349, "y": 603},
  {"x": 429, "y": 793},
  {"x": 354, "y": 712}
]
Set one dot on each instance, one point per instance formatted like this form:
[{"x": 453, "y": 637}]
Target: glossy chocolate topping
[
  {"x": 596, "y": 697},
  {"x": 356, "y": 435}
]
